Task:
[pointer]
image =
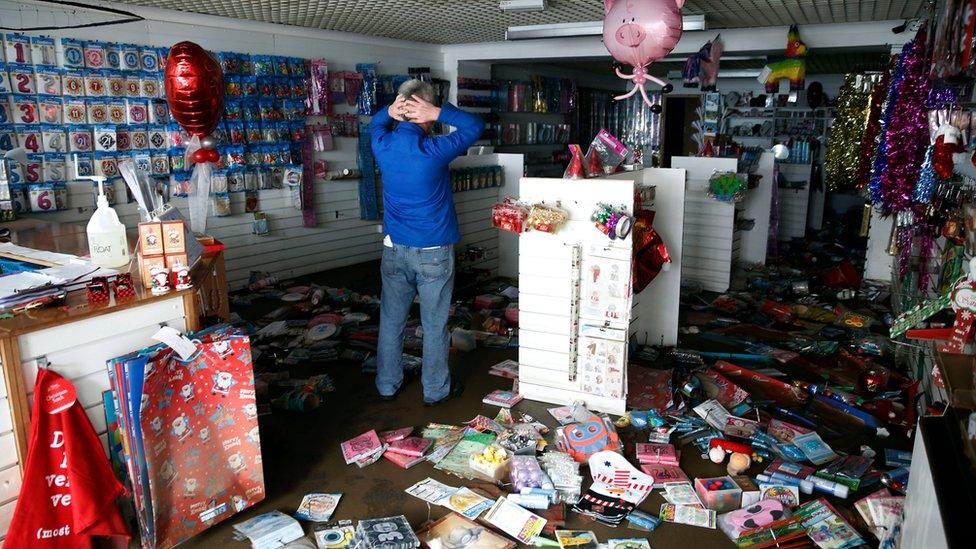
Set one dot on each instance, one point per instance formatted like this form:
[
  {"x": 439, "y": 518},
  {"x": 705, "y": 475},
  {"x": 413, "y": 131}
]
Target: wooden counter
[{"x": 77, "y": 338}]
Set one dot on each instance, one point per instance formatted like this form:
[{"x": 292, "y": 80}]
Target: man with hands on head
[{"x": 421, "y": 230}]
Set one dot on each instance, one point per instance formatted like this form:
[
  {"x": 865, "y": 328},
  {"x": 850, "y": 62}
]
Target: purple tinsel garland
[
  {"x": 904, "y": 240},
  {"x": 924, "y": 251},
  {"x": 907, "y": 135}
]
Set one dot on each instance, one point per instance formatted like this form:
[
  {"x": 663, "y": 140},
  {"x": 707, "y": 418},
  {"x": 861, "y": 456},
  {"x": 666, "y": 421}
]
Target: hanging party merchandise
[
  {"x": 606, "y": 152},
  {"x": 638, "y": 33},
  {"x": 613, "y": 222},
  {"x": 605, "y": 289},
  {"x": 510, "y": 215},
  {"x": 545, "y": 218},
  {"x": 726, "y": 187},
  {"x": 602, "y": 360}
]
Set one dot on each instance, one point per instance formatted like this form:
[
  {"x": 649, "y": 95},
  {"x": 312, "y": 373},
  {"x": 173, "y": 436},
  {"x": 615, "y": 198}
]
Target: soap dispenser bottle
[{"x": 106, "y": 234}]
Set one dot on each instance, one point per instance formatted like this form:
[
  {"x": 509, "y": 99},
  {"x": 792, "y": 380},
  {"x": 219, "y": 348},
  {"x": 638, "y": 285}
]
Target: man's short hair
[{"x": 417, "y": 87}]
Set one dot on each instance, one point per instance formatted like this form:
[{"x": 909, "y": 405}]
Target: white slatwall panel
[
  {"x": 474, "y": 214},
  {"x": 708, "y": 243},
  {"x": 654, "y": 318},
  {"x": 79, "y": 351},
  {"x": 333, "y": 242},
  {"x": 793, "y": 203},
  {"x": 756, "y": 206}
]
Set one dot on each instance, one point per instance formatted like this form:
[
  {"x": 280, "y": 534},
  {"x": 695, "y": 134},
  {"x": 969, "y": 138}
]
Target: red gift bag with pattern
[{"x": 200, "y": 431}]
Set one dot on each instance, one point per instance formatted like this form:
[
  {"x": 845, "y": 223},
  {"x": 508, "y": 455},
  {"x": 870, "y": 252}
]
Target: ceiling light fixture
[
  {"x": 522, "y": 5},
  {"x": 584, "y": 28}
]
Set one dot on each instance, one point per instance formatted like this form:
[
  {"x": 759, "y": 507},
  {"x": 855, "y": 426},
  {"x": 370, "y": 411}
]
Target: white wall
[{"x": 340, "y": 238}]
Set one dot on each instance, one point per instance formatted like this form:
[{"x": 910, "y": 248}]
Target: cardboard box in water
[{"x": 958, "y": 372}]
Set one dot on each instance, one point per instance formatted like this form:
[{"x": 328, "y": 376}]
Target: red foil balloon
[
  {"x": 194, "y": 88},
  {"x": 200, "y": 156}
]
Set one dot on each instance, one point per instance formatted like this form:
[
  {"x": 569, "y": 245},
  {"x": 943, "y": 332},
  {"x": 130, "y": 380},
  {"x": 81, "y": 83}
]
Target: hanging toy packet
[{"x": 606, "y": 152}]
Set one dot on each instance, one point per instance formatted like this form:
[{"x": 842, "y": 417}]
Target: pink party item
[
  {"x": 761, "y": 514},
  {"x": 397, "y": 434},
  {"x": 639, "y": 32},
  {"x": 410, "y": 446},
  {"x": 662, "y": 454},
  {"x": 363, "y": 446}
]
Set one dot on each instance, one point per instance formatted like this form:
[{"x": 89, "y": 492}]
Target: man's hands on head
[
  {"x": 397, "y": 110},
  {"x": 420, "y": 111}
]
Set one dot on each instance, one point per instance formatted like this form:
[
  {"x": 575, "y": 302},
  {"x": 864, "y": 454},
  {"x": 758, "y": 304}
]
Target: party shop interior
[{"x": 457, "y": 274}]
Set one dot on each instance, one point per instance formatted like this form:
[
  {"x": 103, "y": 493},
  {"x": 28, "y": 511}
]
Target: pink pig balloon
[{"x": 639, "y": 32}]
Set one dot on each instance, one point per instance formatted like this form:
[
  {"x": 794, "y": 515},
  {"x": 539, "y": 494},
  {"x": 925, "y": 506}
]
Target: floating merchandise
[
  {"x": 384, "y": 533},
  {"x": 453, "y": 530},
  {"x": 318, "y": 507},
  {"x": 269, "y": 530}
]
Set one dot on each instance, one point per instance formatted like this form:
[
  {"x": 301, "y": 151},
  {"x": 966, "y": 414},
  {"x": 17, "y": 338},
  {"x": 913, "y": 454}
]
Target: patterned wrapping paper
[{"x": 193, "y": 446}]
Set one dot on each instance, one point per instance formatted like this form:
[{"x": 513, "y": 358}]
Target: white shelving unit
[
  {"x": 710, "y": 245},
  {"x": 794, "y": 203},
  {"x": 576, "y": 308},
  {"x": 474, "y": 213},
  {"x": 757, "y": 206}
]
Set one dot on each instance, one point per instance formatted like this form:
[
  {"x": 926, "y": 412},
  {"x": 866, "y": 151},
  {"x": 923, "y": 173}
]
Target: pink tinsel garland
[{"x": 907, "y": 135}]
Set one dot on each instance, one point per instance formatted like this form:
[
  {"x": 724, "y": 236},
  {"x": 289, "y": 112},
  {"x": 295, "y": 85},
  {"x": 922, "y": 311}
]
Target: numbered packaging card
[
  {"x": 104, "y": 138},
  {"x": 106, "y": 164},
  {"x": 34, "y": 168},
  {"x": 80, "y": 139},
  {"x": 116, "y": 84},
  {"x": 73, "y": 52},
  {"x": 84, "y": 164},
  {"x": 17, "y": 48},
  {"x": 94, "y": 54},
  {"x": 4, "y": 80},
  {"x": 55, "y": 168},
  {"x": 42, "y": 198},
  {"x": 8, "y": 139},
  {"x": 48, "y": 81},
  {"x": 130, "y": 57},
  {"x": 117, "y": 111},
  {"x": 605, "y": 294},
  {"x": 22, "y": 79},
  {"x": 149, "y": 85},
  {"x": 133, "y": 86},
  {"x": 96, "y": 84},
  {"x": 602, "y": 360},
  {"x": 138, "y": 110},
  {"x": 97, "y": 111},
  {"x": 73, "y": 83},
  {"x": 113, "y": 55},
  {"x": 43, "y": 51},
  {"x": 75, "y": 111},
  {"x": 5, "y": 114},
  {"x": 29, "y": 137},
  {"x": 24, "y": 109},
  {"x": 50, "y": 109}
]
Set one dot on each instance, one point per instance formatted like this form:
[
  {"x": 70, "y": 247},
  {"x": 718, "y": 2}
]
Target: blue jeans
[{"x": 406, "y": 272}]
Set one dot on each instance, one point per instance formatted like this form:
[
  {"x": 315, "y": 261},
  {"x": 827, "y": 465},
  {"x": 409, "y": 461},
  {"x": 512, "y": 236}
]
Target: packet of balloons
[
  {"x": 510, "y": 215},
  {"x": 606, "y": 152}
]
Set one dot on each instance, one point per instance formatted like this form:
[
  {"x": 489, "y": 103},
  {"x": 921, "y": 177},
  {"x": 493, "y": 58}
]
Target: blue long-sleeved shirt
[{"x": 418, "y": 205}]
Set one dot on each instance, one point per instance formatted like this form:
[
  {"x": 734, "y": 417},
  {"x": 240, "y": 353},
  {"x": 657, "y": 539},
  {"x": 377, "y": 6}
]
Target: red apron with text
[{"x": 69, "y": 490}]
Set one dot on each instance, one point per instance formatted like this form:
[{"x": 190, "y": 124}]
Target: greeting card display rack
[{"x": 576, "y": 308}]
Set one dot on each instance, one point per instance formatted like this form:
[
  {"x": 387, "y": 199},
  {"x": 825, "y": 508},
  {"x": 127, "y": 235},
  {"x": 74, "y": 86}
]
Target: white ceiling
[{"x": 463, "y": 21}]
